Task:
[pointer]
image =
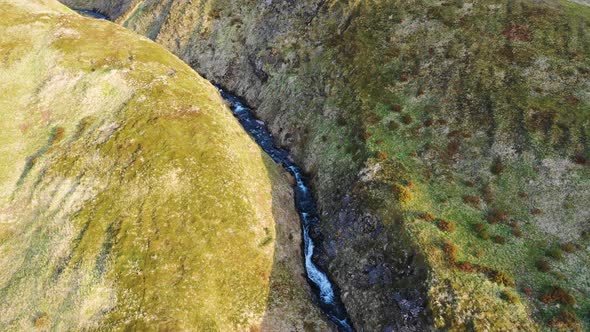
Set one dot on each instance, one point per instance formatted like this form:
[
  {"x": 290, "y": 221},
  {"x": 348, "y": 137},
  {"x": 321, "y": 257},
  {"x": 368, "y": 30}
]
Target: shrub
[
  {"x": 426, "y": 216},
  {"x": 497, "y": 167},
  {"x": 528, "y": 291},
  {"x": 372, "y": 118},
  {"x": 450, "y": 250},
  {"x": 580, "y": 159},
  {"x": 488, "y": 194},
  {"x": 428, "y": 122},
  {"x": 569, "y": 247},
  {"x": 41, "y": 321},
  {"x": 501, "y": 278},
  {"x": 407, "y": 119},
  {"x": 382, "y": 155},
  {"x": 565, "y": 320},
  {"x": 446, "y": 225},
  {"x": 497, "y": 216},
  {"x": 543, "y": 266},
  {"x": 510, "y": 296},
  {"x": 482, "y": 231},
  {"x": 453, "y": 148},
  {"x": 479, "y": 227},
  {"x": 559, "y": 295},
  {"x": 466, "y": 267},
  {"x": 555, "y": 253},
  {"x": 392, "y": 125},
  {"x": 536, "y": 211},
  {"x": 516, "y": 231},
  {"x": 57, "y": 135},
  {"x": 471, "y": 200},
  {"x": 402, "y": 193},
  {"x": 499, "y": 239},
  {"x": 396, "y": 108}
]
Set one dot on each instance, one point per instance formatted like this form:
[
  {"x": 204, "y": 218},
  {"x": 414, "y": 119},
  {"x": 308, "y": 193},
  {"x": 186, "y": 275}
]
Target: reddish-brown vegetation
[
  {"x": 517, "y": 32},
  {"x": 407, "y": 119},
  {"x": 543, "y": 265},
  {"x": 446, "y": 225},
  {"x": 565, "y": 320},
  {"x": 559, "y": 295},
  {"x": 497, "y": 216},
  {"x": 451, "y": 251},
  {"x": 472, "y": 200}
]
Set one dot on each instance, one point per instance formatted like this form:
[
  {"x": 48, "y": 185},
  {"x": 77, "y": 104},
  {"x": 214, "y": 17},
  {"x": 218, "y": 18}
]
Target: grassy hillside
[
  {"x": 130, "y": 196},
  {"x": 450, "y": 136}
]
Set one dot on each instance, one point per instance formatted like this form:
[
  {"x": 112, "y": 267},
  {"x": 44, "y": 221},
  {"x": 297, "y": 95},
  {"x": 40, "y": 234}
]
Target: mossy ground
[{"x": 131, "y": 197}]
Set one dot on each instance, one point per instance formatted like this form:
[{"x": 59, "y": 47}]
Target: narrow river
[{"x": 329, "y": 300}]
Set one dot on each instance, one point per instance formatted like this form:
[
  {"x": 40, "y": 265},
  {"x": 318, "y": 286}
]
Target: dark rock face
[{"x": 381, "y": 278}]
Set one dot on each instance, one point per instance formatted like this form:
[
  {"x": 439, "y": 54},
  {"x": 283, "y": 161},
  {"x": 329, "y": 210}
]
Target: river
[{"x": 328, "y": 297}]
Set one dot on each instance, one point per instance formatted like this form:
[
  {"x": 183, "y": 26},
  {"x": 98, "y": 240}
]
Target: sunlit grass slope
[{"x": 129, "y": 195}]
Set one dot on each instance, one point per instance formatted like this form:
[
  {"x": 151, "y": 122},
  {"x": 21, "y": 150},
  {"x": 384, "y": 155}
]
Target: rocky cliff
[
  {"x": 448, "y": 144},
  {"x": 130, "y": 197}
]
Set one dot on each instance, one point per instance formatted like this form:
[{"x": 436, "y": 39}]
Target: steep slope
[
  {"x": 448, "y": 143},
  {"x": 130, "y": 197}
]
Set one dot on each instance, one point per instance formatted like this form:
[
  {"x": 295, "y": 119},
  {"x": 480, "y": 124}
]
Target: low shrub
[
  {"x": 565, "y": 320},
  {"x": 426, "y": 216},
  {"x": 407, "y": 119},
  {"x": 580, "y": 159},
  {"x": 499, "y": 239},
  {"x": 528, "y": 291},
  {"x": 453, "y": 148},
  {"x": 536, "y": 211},
  {"x": 516, "y": 231},
  {"x": 555, "y": 253},
  {"x": 569, "y": 247},
  {"x": 446, "y": 225},
  {"x": 392, "y": 125},
  {"x": 543, "y": 265},
  {"x": 57, "y": 135},
  {"x": 482, "y": 230},
  {"x": 402, "y": 193},
  {"x": 471, "y": 200},
  {"x": 497, "y": 167},
  {"x": 466, "y": 267},
  {"x": 501, "y": 278},
  {"x": 497, "y": 216},
  {"x": 451, "y": 251},
  {"x": 488, "y": 194},
  {"x": 510, "y": 296},
  {"x": 559, "y": 295}
]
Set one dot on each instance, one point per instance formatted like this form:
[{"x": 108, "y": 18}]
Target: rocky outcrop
[{"x": 130, "y": 197}]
